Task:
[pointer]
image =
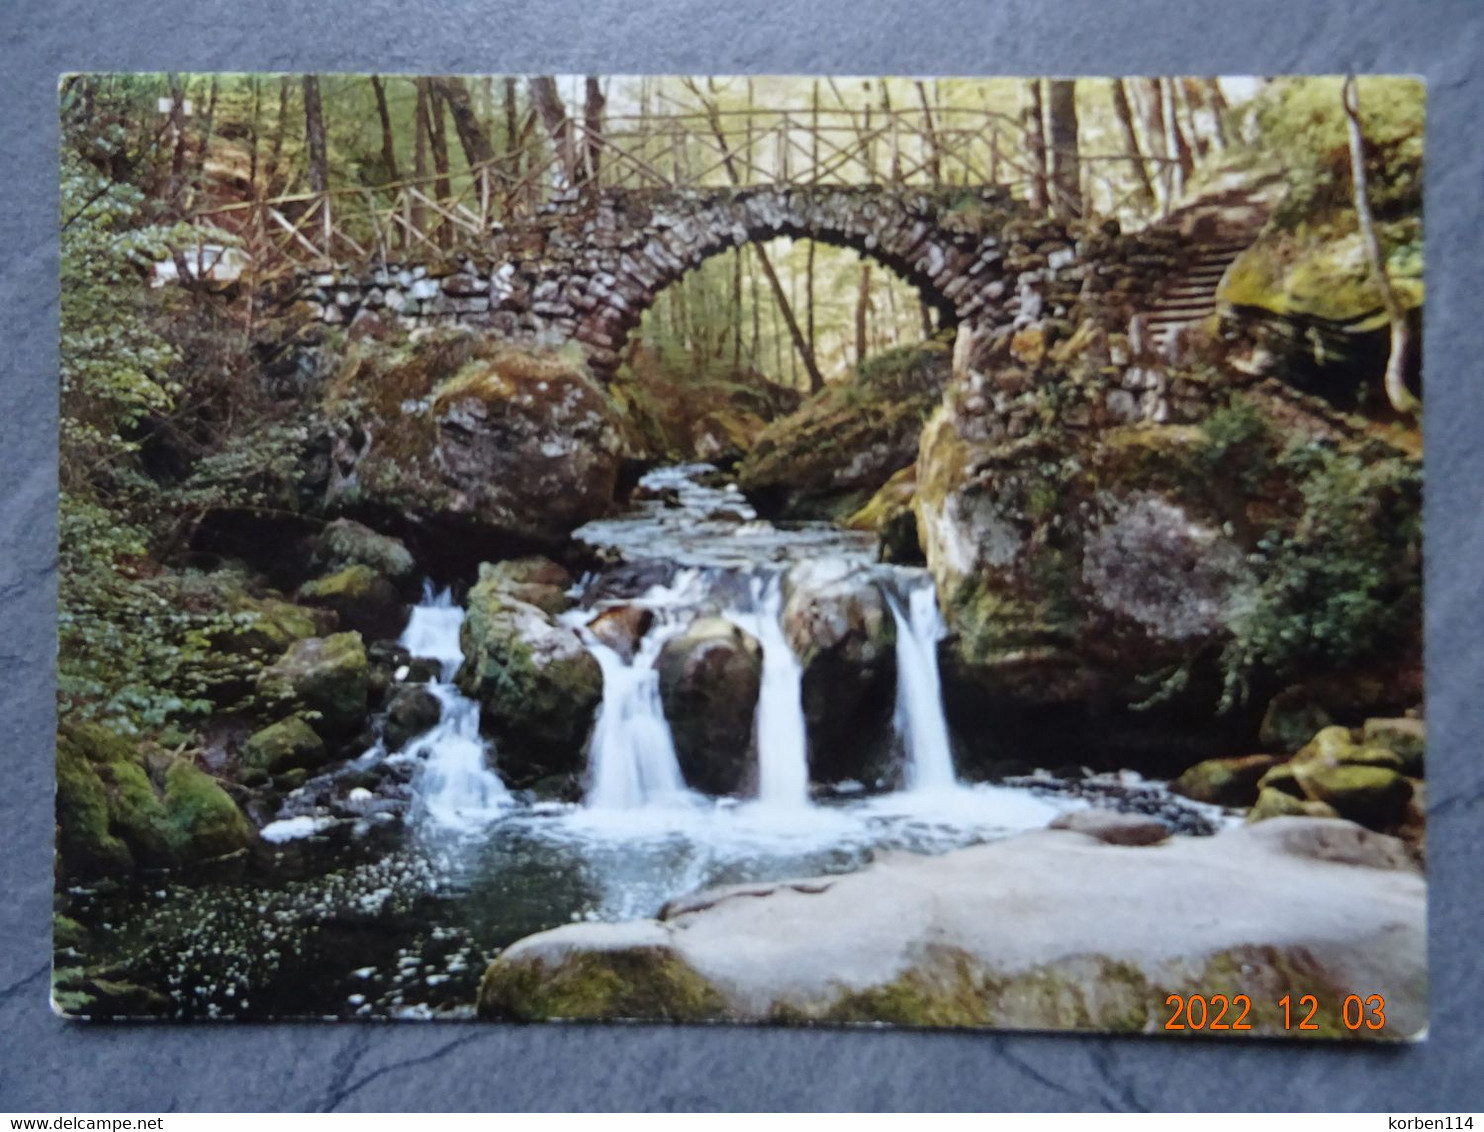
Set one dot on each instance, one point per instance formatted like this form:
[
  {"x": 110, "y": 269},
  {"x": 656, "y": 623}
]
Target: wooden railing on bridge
[{"x": 446, "y": 213}]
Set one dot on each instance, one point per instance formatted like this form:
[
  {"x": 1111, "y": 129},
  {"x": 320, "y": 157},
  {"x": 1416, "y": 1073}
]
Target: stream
[{"x": 391, "y": 903}]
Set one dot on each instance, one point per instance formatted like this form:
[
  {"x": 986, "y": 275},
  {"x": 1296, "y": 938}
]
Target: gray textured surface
[{"x": 49, "y": 1065}]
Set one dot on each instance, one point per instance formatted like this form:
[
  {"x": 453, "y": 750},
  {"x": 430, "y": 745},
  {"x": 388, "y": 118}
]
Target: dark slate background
[{"x": 50, "y": 1065}]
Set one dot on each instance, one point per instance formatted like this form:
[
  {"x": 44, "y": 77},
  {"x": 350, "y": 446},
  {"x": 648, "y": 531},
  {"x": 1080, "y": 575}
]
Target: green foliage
[{"x": 1344, "y": 584}]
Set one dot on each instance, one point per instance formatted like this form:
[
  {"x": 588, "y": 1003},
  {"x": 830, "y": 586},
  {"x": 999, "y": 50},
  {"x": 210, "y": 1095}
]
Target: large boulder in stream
[
  {"x": 1126, "y": 554},
  {"x": 361, "y": 599},
  {"x": 537, "y": 685},
  {"x": 709, "y": 681},
  {"x": 836, "y": 620},
  {"x": 346, "y": 542},
  {"x": 1052, "y": 929},
  {"x": 486, "y": 447}
]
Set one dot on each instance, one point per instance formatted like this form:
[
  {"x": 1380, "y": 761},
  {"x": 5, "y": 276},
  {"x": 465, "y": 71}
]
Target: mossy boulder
[
  {"x": 537, "y": 685},
  {"x": 890, "y": 515},
  {"x": 361, "y": 598},
  {"x": 847, "y": 441},
  {"x": 266, "y": 626},
  {"x": 411, "y": 710},
  {"x": 1225, "y": 782},
  {"x": 1374, "y": 796},
  {"x": 1274, "y": 803},
  {"x": 327, "y": 675},
  {"x": 1405, "y": 737},
  {"x": 114, "y": 813},
  {"x": 346, "y": 542},
  {"x": 627, "y": 982},
  {"x": 709, "y": 681},
  {"x": 836, "y": 620},
  {"x": 284, "y": 745},
  {"x": 498, "y": 445}
]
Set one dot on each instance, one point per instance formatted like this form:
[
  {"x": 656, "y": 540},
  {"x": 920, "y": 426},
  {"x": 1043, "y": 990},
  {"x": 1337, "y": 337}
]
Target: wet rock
[
  {"x": 362, "y": 599},
  {"x": 284, "y": 745},
  {"x": 537, "y": 685},
  {"x": 384, "y": 660},
  {"x": 891, "y": 516},
  {"x": 955, "y": 939},
  {"x": 1225, "y": 782},
  {"x": 205, "y": 820},
  {"x": 1341, "y": 842},
  {"x": 622, "y": 628},
  {"x": 327, "y": 675},
  {"x": 1113, "y": 827},
  {"x": 345, "y": 542},
  {"x": 535, "y": 580},
  {"x": 709, "y": 681},
  {"x": 1374, "y": 796},
  {"x": 837, "y": 623},
  {"x": 411, "y": 710}
]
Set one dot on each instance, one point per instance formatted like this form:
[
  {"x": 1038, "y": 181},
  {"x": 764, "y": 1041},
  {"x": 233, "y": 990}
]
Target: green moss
[
  {"x": 67, "y": 933},
  {"x": 327, "y": 675},
  {"x": 283, "y": 745},
  {"x": 85, "y": 842},
  {"x": 354, "y": 583},
  {"x": 205, "y": 820},
  {"x": 636, "y": 983}
]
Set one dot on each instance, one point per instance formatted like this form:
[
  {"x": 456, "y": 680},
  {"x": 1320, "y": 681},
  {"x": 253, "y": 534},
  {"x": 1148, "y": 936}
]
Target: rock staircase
[{"x": 1218, "y": 223}]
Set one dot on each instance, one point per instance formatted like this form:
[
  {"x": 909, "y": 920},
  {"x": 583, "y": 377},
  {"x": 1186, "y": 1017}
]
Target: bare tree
[
  {"x": 1123, "y": 111},
  {"x": 1396, "y": 364},
  {"x": 593, "y": 103},
  {"x": 1182, "y": 163},
  {"x": 472, "y": 133},
  {"x": 275, "y": 153},
  {"x": 1033, "y": 118},
  {"x": 548, "y": 103},
  {"x": 388, "y": 149},
  {"x": 1152, "y": 117},
  {"x": 314, "y": 136},
  {"x": 1066, "y": 167},
  {"x": 420, "y": 157}
]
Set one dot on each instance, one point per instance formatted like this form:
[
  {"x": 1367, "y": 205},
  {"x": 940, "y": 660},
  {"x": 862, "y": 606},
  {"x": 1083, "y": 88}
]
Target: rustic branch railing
[{"x": 410, "y": 218}]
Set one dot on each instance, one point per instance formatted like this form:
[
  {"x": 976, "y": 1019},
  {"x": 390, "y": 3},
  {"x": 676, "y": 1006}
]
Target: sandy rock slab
[{"x": 1049, "y": 930}]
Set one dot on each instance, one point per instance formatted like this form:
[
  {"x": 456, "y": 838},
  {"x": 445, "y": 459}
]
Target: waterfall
[
  {"x": 455, "y": 787},
  {"x": 632, "y": 755},
  {"x": 782, "y": 743},
  {"x": 919, "y": 716}
]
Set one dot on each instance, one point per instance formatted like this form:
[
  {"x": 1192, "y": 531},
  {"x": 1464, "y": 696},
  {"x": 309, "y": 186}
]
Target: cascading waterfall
[
  {"x": 782, "y": 744},
  {"x": 632, "y": 754},
  {"x": 456, "y": 788},
  {"x": 919, "y": 715}
]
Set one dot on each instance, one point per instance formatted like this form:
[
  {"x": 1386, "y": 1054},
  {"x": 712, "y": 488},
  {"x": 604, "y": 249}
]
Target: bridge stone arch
[{"x": 585, "y": 271}]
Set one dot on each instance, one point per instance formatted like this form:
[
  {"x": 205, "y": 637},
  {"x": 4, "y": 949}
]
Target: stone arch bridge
[{"x": 586, "y": 271}]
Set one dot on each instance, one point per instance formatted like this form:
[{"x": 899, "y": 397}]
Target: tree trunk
[
  {"x": 275, "y": 155},
  {"x": 388, "y": 149},
  {"x": 1175, "y": 144},
  {"x": 1151, "y": 115},
  {"x": 1216, "y": 103},
  {"x": 1034, "y": 119},
  {"x": 472, "y": 134},
  {"x": 1125, "y": 115},
  {"x": 862, "y": 315},
  {"x": 935, "y": 153},
  {"x": 548, "y": 103},
  {"x": 420, "y": 160},
  {"x": 592, "y": 127},
  {"x": 178, "y": 128},
  {"x": 512, "y": 120},
  {"x": 253, "y": 130},
  {"x": 207, "y": 124},
  {"x": 314, "y": 136},
  {"x": 1395, "y": 382},
  {"x": 1066, "y": 168}
]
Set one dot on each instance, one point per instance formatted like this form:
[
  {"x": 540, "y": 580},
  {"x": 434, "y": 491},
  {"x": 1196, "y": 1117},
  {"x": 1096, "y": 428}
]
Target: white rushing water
[
  {"x": 782, "y": 741},
  {"x": 456, "y": 788},
  {"x": 919, "y": 716}
]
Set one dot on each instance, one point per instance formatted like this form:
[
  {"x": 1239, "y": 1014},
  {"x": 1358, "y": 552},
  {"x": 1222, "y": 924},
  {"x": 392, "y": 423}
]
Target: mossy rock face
[
  {"x": 281, "y": 746},
  {"x": 847, "y": 441},
  {"x": 327, "y": 675},
  {"x": 266, "y": 626},
  {"x": 1225, "y": 782},
  {"x": 86, "y": 844},
  {"x": 361, "y": 598},
  {"x": 480, "y": 438},
  {"x": 1281, "y": 778},
  {"x": 348, "y": 543},
  {"x": 1374, "y": 796},
  {"x": 891, "y": 516},
  {"x": 709, "y": 681},
  {"x": 636, "y": 982},
  {"x": 537, "y": 685}
]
